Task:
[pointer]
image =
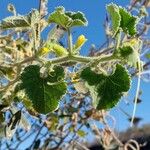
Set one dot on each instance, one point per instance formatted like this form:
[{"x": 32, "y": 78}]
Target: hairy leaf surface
[
  {"x": 123, "y": 19},
  {"x": 129, "y": 51},
  {"x": 129, "y": 54},
  {"x": 115, "y": 17},
  {"x": 45, "y": 93},
  {"x": 106, "y": 90},
  {"x": 128, "y": 22},
  {"x": 20, "y": 22},
  {"x": 67, "y": 19}
]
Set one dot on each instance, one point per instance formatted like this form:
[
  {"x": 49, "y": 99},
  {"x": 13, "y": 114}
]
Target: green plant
[
  {"x": 68, "y": 20},
  {"x": 41, "y": 82}
]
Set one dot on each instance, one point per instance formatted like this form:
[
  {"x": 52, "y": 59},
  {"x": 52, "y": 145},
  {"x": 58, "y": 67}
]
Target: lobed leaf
[
  {"x": 123, "y": 19},
  {"x": 78, "y": 18},
  {"x": 14, "y": 22},
  {"x": 45, "y": 93},
  {"x": 106, "y": 90},
  {"x": 125, "y": 51},
  {"x": 128, "y": 22},
  {"x": 113, "y": 10},
  {"x": 67, "y": 19},
  {"x": 129, "y": 54},
  {"x": 21, "y": 22}
]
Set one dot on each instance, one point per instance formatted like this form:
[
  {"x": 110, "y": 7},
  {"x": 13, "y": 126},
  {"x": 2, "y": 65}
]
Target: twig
[
  {"x": 137, "y": 92},
  {"x": 112, "y": 133},
  {"x": 81, "y": 145},
  {"x": 33, "y": 142},
  {"x": 129, "y": 145}
]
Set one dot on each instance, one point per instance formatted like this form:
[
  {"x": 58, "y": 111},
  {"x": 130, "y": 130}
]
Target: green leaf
[
  {"x": 128, "y": 54},
  {"x": 128, "y": 22},
  {"x": 67, "y": 19},
  {"x": 14, "y": 22},
  {"x": 59, "y": 17},
  {"x": 81, "y": 133},
  {"x": 148, "y": 56},
  {"x": 45, "y": 93},
  {"x": 125, "y": 51},
  {"x": 106, "y": 90},
  {"x": 113, "y": 10},
  {"x": 27, "y": 103},
  {"x": 20, "y": 22},
  {"x": 123, "y": 19},
  {"x": 78, "y": 18}
]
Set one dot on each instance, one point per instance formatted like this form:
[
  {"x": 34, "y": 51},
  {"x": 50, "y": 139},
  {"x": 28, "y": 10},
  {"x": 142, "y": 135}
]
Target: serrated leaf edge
[
  {"x": 111, "y": 17},
  {"x": 137, "y": 18}
]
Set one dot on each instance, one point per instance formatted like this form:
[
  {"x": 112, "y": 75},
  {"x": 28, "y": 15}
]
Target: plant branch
[
  {"x": 69, "y": 42},
  {"x": 82, "y": 59},
  {"x": 137, "y": 92},
  {"x": 29, "y": 59}
]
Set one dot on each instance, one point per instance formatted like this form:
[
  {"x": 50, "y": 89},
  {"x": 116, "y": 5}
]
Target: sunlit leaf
[
  {"x": 113, "y": 10},
  {"x": 122, "y": 19},
  {"x": 106, "y": 90},
  {"x": 67, "y": 19},
  {"x": 128, "y": 54},
  {"x": 78, "y": 19},
  {"x": 125, "y": 51},
  {"x": 20, "y": 22},
  {"x": 45, "y": 93},
  {"x": 128, "y": 22}
]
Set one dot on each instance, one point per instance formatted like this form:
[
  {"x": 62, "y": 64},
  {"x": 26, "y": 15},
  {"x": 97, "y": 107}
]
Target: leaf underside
[
  {"x": 67, "y": 19},
  {"x": 20, "y": 22},
  {"x": 115, "y": 16},
  {"x": 122, "y": 19}
]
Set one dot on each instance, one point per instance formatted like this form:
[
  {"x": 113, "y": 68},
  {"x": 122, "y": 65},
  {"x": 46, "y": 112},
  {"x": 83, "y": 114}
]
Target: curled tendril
[{"x": 132, "y": 144}]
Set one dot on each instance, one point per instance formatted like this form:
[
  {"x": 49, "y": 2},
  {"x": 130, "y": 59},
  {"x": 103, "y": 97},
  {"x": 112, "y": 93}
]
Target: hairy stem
[
  {"x": 82, "y": 59},
  {"x": 118, "y": 39},
  {"x": 69, "y": 42}
]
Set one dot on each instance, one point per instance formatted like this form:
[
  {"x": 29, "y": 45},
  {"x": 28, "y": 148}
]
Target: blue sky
[{"x": 95, "y": 12}]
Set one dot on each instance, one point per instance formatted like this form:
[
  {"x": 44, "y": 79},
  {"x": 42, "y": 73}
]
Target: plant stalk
[{"x": 70, "y": 47}]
